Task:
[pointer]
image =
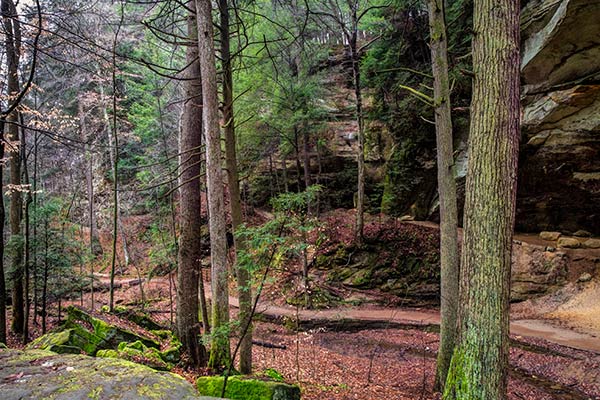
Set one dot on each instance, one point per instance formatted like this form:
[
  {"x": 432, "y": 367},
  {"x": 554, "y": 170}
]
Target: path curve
[{"x": 539, "y": 329}]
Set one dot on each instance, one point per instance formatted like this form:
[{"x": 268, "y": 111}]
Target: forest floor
[{"x": 368, "y": 351}]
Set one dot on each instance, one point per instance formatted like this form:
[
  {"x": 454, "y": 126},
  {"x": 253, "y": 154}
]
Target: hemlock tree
[
  {"x": 479, "y": 363},
  {"x": 446, "y": 190},
  {"x": 243, "y": 277},
  {"x": 190, "y": 249},
  {"x": 219, "y": 351}
]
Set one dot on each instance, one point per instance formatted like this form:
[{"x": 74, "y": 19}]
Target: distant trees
[{"x": 478, "y": 368}]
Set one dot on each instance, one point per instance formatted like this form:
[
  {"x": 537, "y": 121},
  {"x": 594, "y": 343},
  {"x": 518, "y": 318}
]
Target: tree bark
[
  {"x": 89, "y": 180},
  {"x": 189, "y": 249},
  {"x": 446, "y": 191},
  {"x": 12, "y": 45},
  {"x": 26, "y": 238},
  {"x": 479, "y": 363},
  {"x": 360, "y": 202},
  {"x": 2, "y": 221},
  {"x": 243, "y": 276},
  {"x": 219, "y": 352}
]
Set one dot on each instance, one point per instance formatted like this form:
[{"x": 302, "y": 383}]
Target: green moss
[
  {"x": 96, "y": 394},
  {"x": 274, "y": 374},
  {"x": 140, "y": 353},
  {"x": 243, "y": 388},
  {"x": 457, "y": 385},
  {"x": 361, "y": 278},
  {"x": 107, "y": 353}
]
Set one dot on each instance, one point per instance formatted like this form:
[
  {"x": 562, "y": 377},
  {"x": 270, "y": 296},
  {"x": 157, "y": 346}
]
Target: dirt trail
[{"x": 527, "y": 328}]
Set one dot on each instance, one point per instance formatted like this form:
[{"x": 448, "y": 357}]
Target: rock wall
[{"x": 559, "y": 177}]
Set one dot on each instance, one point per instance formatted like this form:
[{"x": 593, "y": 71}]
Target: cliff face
[{"x": 559, "y": 178}]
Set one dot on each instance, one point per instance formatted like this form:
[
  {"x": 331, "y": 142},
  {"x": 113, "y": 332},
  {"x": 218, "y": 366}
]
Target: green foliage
[{"x": 58, "y": 250}]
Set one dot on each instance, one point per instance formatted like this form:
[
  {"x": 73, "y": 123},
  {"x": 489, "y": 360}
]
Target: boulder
[
  {"x": 82, "y": 332},
  {"x": 536, "y": 271},
  {"x": 568, "y": 243},
  {"x": 582, "y": 233},
  {"x": 550, "y": 236},
  {"x": 38, "y": 374},
  {"x": 591, "y": 244},
  {"x": 245, "y": 388}
]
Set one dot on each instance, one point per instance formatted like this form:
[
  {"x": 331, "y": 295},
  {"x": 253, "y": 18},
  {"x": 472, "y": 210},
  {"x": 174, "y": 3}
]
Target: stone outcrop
[
  {"x": 559, "y": 177},
  {"x": 536, "y": 271},
  {"x": 84, "y": 333},
  {"x": 38, "y": 374}
]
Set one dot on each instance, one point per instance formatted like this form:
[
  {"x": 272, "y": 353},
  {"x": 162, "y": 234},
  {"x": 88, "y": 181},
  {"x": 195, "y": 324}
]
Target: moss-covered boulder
[
  {"x": 68, "y": 341},
  {"x": 38, "y": 374},
  {"x": 140, "y": 353},
  {"x": 245, "y": 388},
  {"x": 110, "y": 335},
  {"x": 82, "y": 332}
]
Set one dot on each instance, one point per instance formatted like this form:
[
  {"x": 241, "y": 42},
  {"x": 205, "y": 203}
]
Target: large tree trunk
[
  {"x": 12, "y": 41},
  {"x": 189, "y": 249},
  {"x": 446, "y": 191},
  {"x": 479, "y": 364},
  {"x": 243, "y": 276},
  {"x": 219, "y": 351}
]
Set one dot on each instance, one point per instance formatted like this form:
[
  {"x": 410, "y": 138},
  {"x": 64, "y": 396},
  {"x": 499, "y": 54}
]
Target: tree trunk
[
  {"x": 360, "y": 201},
  {"x": 479, "y": 363},
  {"x": 12, "y": 30},
  {"x": 2, "y": 221},
  {"x": 45, "y": 276},
  {"x": 243, "y": 276},
  {"x": 306, "y": 162},
  {"x": 26, "y": 238},
  {"x": 89, "y": 180},
  {"x": 284, "y": 173},
  {"x": 297, "y": 153},
  {"x": 189, "y": 249},
  {"x": 446, "y": 192},
  {"x": 219, "y": 351}
]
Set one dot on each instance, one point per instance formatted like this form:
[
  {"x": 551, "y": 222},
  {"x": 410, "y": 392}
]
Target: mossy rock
[
  {"x": 245, "y": 388},
  {"x": 139, "y": 318},
  {"x": 83, "y": 333},
  {"x": 47, "y": 375},
  {"x": 142, "y": 354},
  {"x": 68, "y": 341},
  {"x": 360, "y": 278},
  {"x": 172, "y": 353},
  {"x": 110, "y": 336},
  {"x": 108, "y": 353}
]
